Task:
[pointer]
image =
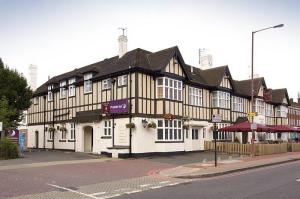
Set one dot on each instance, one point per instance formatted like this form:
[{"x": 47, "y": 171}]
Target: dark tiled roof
[
  {"x": 295, "y": 104},
  {"x": 244, "y": 87},
  {"x": 214, "y": 76},
  {"x": 278, "y": 95}
]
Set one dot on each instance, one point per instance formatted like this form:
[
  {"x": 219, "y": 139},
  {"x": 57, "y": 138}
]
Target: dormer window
[
  {"x": 88, "y": 84},
  {"x": 72, "y": 90},
  {"x": 50, "y": 93},
  {"x": 63, "y": 91}
]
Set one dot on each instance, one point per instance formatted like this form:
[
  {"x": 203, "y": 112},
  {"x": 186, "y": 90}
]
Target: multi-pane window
[
  {"x": 195, "y": 95},
  {"x": 260, "y": 106},
  {"x": 63, "y": 90},
  {"x": 63, "y": 135},
  {"x": 281, "y": 111},
  {"x": 204, "y": 133},
  {"x": 169, "y": 88},
  {"x": 50, "y": 135},
  {"x": 221, "y": 99},
  {"x": 72, "y": 90},
  {"x": 88, "y": 84},
  {"x": 195, "y": 134},
  {"x": 238, "y": 104},
  {"x": 224, "y": 135},
  {"x": 269, "y": 110},
  {"x": 36, "y": 100},
  {"x": 72, "y": 131},
  {"x": 122, "y": 80},
  {"x": 107, "y": 128},
  {"x": 50, "y": 93},
  {"x": 106, "y": 84},
  {"x": 169, "y": 130}
]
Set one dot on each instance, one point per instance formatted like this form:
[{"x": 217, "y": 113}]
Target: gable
[
  {"x": 225, "y": 82},
  {"x": 261, "y": 91},
  {"x": 174, "y": 67}
]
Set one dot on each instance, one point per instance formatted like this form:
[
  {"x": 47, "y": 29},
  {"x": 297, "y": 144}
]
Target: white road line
[
  {"x": 134, "y": 191},
  {"x": 111, "y": 196},
  {"x": 78, "y": 192},
  {"x": 173, "y": 184},
  {"x": 156, "y": 187},
  {"x": 99, "y": 193},
  {"x": 164, "y": 182},
  {"x": 298, "y": 180},
  {"x": 145, "y": 185}
]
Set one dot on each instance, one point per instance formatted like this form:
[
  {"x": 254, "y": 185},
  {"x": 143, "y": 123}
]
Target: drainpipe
[
  {"x": 53, "y": 111},
  {"x": 130, "y": 115},
  {"x": 44, "y": 121},
  {"x": 113, "y": 117}
]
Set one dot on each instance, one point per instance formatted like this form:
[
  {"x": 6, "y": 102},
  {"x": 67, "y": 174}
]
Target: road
[{"x": 281, "y": 181}]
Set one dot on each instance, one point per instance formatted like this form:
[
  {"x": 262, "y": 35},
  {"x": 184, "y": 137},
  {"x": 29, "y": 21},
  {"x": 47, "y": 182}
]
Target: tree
[{"x": 15, "y": 96}]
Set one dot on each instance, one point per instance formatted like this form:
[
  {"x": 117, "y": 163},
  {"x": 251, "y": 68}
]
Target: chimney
[
  {"x": 32, "y": 73},
  {"x": 122, "y": 43},
  {"x": 298, "y": 96}
]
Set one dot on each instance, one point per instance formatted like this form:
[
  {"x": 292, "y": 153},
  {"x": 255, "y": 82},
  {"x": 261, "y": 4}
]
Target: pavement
[{"x": 208, "y": 169}]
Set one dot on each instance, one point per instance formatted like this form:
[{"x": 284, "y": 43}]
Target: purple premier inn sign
[{"x": 116, "y": 106}]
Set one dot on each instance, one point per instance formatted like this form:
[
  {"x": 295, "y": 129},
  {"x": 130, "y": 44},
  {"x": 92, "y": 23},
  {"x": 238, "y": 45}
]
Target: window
[
  {"x": 88, "y": 84},
  {"x": 106, "y": 84},
  {"x": 72, "y": 91},
  {"x": 36, "y": 100},
  {"x": 221, "y": 99},
  {"x": 72, "y": 131},
  {"x": 122, "y": 80},
  {"x": 63, "y": 135},
  {"x": 281, "y": 111},
  {"x": 195, "y": 95},
  {"x": 107, "y": 128},
  {"x": 50, "y": 135},
  {"x": 195, "y": 134},
  {"x": 63, "y": 91},
  {"x": 269, "y": 110},
  {"x": 169, "y": 130},
  {"x": 204, "y": 133},
  {"x": 224, "y": 135},
  {"x": 260, "y": 106},
  {"x": 50, "y": 93},
  {"x": 238, "y": 104},
  {"x": 169, "y": 88}
]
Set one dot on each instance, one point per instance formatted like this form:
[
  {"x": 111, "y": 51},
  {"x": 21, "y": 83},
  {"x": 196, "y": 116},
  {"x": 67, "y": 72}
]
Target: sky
[{"x": 61, "y": 35}]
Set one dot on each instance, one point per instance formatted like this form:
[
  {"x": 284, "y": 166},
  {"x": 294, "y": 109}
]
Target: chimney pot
[{"x": 122, "y": 45}]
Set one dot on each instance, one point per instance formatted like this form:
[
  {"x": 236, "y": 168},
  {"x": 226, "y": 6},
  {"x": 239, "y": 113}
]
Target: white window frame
[
  {"x": 269, "y": 110},
  {"x": 122, "y": 80},
  {"x": 62, "y": 90},
  {"x": 281, "y": 111},
  {"x": 169, "y": 89},
  {"x": 195, "y": 96},
  {"x": 107, "y": 127},
  {"x": 35, "y": 100},
  {"x": 171, "y": 130},
  {"x": 72, "y": 88},
  {"x": 238, "y": 104},
  {"x": 63, "y": 135},
  {"x": 195, "y": 134},
  {"x": 224, "y": 135},
  {"x": 106, "y": 84},
  {"x": 221, "y": 99},
  {"x": 88, "y": 84},
  {"x": 260, "y": 106},
  {"x": 50, "y": 93},
  {"x": 72, "y": 131}
]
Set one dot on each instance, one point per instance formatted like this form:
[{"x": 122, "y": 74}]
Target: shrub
[{"x": 8, "y": 149}]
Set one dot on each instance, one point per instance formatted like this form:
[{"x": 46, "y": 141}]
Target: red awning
[
  {"x": 283, "y": 128},
  {"x": 245, "y": 127}
]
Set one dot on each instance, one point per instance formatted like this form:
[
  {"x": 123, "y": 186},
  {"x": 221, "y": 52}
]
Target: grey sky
[{"x": 60, "y": 35}]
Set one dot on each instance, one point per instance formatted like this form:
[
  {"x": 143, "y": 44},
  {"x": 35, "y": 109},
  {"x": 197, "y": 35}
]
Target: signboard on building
[
  {"x": 115, "y": 107},
  {"x": 252, "y": 114},
  {"x": 216, "y": 118}
]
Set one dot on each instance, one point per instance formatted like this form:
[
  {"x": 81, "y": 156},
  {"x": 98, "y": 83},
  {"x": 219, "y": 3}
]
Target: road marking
[
  {"x": 298, "y": 180},
  {"x": 173, "y": 184},
  {"x": 164, "y": 182},
  {"x": 99, "y": 193},
  {"x": 78, "y": 192},
  {"x": 145, "y": 185},
  {"x": 134, "y": 191}
]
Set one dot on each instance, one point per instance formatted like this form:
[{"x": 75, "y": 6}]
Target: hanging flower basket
[
  {"x": 130, "y": 125},
  {"x": 151, "y": 125},
  {"x": 51, "y": 129},
  {"x": 63, "y": 129}
]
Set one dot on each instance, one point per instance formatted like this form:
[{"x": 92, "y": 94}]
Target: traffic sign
[
  {"x": 252, "y": 114},
  {"x": 216, "y": 118},
  {"x": 253, "y": 126}
]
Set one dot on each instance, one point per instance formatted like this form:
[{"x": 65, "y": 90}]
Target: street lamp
[{"x": 252, "y": 89}]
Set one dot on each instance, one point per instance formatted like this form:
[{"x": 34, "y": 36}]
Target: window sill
[
  {"x": 71, "y": 96},
  {"x": 120, "y": 86},
  {"x": 85, "y": 93},
  {"x": 72, "y": 140},
  {"x": 165, "y": 141},
  {"x": 62, "y": 140},
  {"x": 105, "y": 137},
  {"x": 105, "y": 89},
  {"x": 49, "y": 140}
]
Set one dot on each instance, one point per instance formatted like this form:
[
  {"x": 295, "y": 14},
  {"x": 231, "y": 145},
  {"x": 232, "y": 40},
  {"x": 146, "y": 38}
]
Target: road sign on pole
[
  {"x": 216, "y": 118},
  {"x": 252, "y": 114}
]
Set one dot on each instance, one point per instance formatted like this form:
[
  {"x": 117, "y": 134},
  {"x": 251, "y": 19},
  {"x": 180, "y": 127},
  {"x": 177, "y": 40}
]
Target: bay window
[
  {"x": 72, "y": 90},
  {"x": 260, "y": 106},
  {"x": 269, "y": 110},
  {"x": 88, "y": 84},
  {"x": 281, "y": 111},
  {"x": 195, "y": 95},
  {"x": 169, "y": 130},
  {"x": 220, "y": 99},
  {"x": 63, "y": 91},
  {"x": 169, "y": 88}
]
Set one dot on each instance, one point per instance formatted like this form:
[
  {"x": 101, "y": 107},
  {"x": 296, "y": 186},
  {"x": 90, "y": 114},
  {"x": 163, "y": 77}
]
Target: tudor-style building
[{"x": 141, "y": 103}]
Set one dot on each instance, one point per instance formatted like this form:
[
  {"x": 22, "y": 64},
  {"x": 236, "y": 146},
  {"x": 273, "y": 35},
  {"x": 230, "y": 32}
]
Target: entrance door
[
  {"x": 36, "y": 139},
  {"x": 88, "y": 139},
  {"x": 196, "y": 143}
]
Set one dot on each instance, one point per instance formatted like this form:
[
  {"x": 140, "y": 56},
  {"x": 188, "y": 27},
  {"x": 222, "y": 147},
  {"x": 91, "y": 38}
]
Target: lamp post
[{"x": 252, "y": 82}]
